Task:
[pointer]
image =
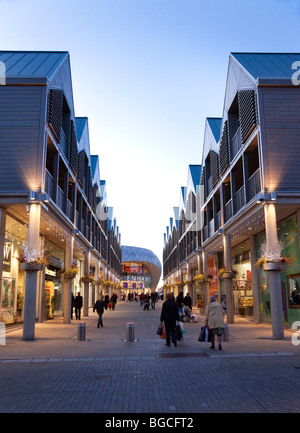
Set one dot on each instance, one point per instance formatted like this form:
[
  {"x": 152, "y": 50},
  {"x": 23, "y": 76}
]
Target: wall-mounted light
[
  {"x": 221, "y": 232},
  {"x": 45, "y": 198},
  {"x": 75, "y": 232},
  {"x": 264, "y": 197},
  {"x": 31, "y": 195}
]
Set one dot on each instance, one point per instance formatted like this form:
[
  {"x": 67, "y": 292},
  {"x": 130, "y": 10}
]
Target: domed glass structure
[{"x": 141, "y": 269}]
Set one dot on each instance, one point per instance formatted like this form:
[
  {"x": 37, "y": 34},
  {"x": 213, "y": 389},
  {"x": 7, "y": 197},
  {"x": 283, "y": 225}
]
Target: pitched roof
[
  {"x": 32, "y": 64},
  {"x": 215, "y": 124},
  {"x": 268, "y": 65}
]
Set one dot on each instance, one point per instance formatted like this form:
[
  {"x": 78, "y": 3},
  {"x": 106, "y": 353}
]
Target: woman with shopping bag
[
  {"x": 214, "y": 319},
  {"x": 169, "y": 315}
]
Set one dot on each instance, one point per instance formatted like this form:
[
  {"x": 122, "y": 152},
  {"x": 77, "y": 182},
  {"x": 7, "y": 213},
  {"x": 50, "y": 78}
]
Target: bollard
[
  {"x": 130, "y": 329},
  {"x": 81, "y": 332},
  {"x": 226, "y": 333}
]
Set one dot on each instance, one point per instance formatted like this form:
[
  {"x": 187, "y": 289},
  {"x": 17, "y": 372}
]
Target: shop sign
[
  {"x": 50, "y": 272},
  {"x": 7, "y": 256}
]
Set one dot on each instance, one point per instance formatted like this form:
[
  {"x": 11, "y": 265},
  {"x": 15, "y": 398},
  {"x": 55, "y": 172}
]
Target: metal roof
[
  {"x": 215, "y": 124},
  {"x": 268, "y": 65},
  {"x": 28, "y": 64},
  {"x": 136, "y": 254}
]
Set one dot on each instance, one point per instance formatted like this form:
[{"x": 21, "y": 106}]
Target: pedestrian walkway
[
  {"x": 59, "y": 341},
  {"x": 106, "y": 374}
]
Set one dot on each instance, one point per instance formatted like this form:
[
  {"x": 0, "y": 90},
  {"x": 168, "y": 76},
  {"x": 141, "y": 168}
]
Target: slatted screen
[
  {"x": 73, "y": 149},
  {"x": 214, "y": 167},
  {"x": 81, "y": 164},
  {"x": 247, "y": 112},
  {"x": 55, "y": 111},
  {"x": 224, "y": 150}
]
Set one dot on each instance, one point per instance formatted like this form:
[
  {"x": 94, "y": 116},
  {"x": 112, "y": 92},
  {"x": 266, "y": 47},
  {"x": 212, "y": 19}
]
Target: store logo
[
  {"x": 296, "y": 74},
  {"x": 2, "y": 334},
  {"x": 2, "y": 74},
  {"x": 295, "y": 340}
]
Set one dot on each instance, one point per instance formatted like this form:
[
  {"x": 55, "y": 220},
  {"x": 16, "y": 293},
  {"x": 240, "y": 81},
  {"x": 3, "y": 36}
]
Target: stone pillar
[
  {"x": 255, "y": 282},
  {"x": 86, "y": 286},
  {"x": 31, "y": 277},
  {"x": 228, "y": 281},
  {"x": 2, "y": 242},
  {"x": 205, "y": 283},
  {"x": 274, "y": 274},
  {"x": 68, "y": 283}
]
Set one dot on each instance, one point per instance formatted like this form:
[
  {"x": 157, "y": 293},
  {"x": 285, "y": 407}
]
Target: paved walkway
[{"x": 107, "y": 374}]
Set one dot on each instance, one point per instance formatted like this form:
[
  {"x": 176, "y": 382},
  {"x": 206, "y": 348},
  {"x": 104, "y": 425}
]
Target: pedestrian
[
  {"x": 113, "y": 301},
  {"x": 179, "y": 300},
  {"x": 187, "y": 300},
  {"x": 78, "y": 305},
  {"x": 169, "y": 315},
  {"x": 72, "y": 305},
  {"x": 214, "y": 319},
  {"x": 146, "y": 305},
  {"x": 99, "y": 307},
  {"x": 106, "y": 299},
  {"x": 153, "y": 300}
]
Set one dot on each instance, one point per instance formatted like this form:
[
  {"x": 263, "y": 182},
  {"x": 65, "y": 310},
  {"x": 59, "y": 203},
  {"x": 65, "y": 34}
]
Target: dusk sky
[{"x": 147, "y": 73}]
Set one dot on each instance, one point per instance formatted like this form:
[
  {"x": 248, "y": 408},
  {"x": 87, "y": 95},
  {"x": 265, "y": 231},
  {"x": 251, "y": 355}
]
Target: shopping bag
[
  {"x": 204, "y": 334},
  {"x": 159, "y": 329},
  {"x": 178, "y": 333},
  {"x": 163, "y": 335}
]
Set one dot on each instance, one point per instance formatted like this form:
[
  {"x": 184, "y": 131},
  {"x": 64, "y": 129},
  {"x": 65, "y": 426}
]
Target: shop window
[{"x": 294, "y": 290}]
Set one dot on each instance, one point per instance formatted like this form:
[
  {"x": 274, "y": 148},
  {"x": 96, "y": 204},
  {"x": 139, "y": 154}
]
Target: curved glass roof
[{"x": 136, "y": 254}]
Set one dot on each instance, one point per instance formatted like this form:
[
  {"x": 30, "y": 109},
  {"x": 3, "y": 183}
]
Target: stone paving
[{"x": 105, "y": 374}]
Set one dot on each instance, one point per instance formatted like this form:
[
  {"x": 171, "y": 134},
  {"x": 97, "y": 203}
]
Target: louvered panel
[
  {"x": 55, "y": 111},
  {"x": 220, "y": 259},
  {"x": 203, "y": 183},
  {"x": 73, "y": 149},
  {"x": 224, "y": 150},
  {"x": 214, "y": 167},
  {"x": 247, "y": 112},
  {"x": 80, "y": 171},
  {"x": 90, "y": 186}
]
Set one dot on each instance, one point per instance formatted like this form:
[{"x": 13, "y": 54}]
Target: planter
[
  {"x": 30, "y": 267},
  {"x": 86, "y": 280},
  {"x": 271, "y": 266},
  {"x": 69, "y": 276},
  {"x": 207, "y": 279}
]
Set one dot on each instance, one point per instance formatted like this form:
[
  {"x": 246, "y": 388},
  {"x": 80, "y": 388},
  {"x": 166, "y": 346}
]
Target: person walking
[
  {"x": 113, "y": 301},
  {"x": 72, "y": 305},
  {"x": 169, "y": 315},
  {"x": 78, "y": 305},
  {"x": 99, "y": 307},
  {"x": 214, "y": 319},
  {"x": 187, "y": 300}
]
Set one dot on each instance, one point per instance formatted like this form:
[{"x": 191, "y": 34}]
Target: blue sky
[{"x": 147, "y": 73}]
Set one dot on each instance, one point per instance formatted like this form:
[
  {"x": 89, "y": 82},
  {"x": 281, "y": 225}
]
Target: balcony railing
[
  {"x": 253, "y": 185},
  {"x": 228, "y": 210},
  {"x": 236, "y": 143},
  {"x": 218, "y": 220},
  {"x": 239, "y": 199},
  {"x": 50, "y": 185}
]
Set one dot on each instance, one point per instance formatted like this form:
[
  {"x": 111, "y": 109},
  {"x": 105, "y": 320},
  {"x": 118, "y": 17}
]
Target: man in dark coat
[
  {"x": 187, "y": 300},
  {"x": 78, "y": 305},
  {"x": 99, "y": 307},
  {"x": 169, "y": 315}
]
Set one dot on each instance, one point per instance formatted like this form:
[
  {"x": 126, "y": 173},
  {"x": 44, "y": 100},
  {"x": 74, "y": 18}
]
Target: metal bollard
[
  {"x": 81, "y": 332},
  {"x": 226, "y": 333},
  {"x": 130, "y": 329}
]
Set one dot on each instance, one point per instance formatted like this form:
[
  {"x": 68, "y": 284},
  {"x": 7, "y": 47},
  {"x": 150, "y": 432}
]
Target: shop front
[
  {"x": 242, "y": 281},
  {"x": 288, "y": 232},
  {"x": 136, "y": 278}
]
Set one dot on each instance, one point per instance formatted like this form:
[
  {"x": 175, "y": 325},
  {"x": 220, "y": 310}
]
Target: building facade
[
  {"x": 245, "y": 247},
  {"x": 141, "y": 270},
  {"x": 58, "y": 235}
]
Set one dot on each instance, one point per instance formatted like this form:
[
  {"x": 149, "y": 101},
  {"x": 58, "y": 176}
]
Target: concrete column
[
  {"x": 255, "y": 286},
  {"x": 205, "y": 283},
  {"x": 274, "y": 274},
  {"x": 31, "y": 277},
  {"x": 228, "y": 281},
  {"x": 68, "y": 283},
  {"x": 2, "y": 242},
  {"x": 86, "y": 286}
]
